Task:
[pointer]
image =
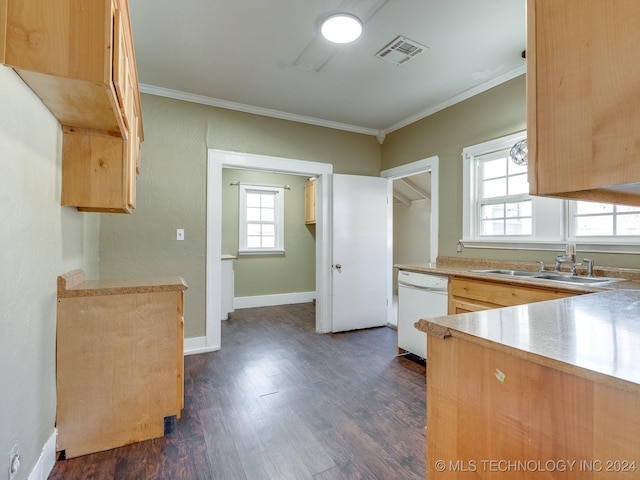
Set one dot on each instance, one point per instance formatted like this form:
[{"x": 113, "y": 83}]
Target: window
[
  {"x": 604, "y": 220},
  {"x": 497, "y": 204},
  {"x": 261, "y": 219},
  {"x": 505, "y": 208},
  {"x": 498, "y": 211}
]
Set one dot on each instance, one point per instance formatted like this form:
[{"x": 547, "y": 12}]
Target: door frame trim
[
  {"x": 216, "y": 161},
  {"x": 431, "y": 164}
]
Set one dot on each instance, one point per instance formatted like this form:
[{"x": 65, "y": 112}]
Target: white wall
[
  {"x": 411, "y": 233},
  {"x": 39, "y": 240}
]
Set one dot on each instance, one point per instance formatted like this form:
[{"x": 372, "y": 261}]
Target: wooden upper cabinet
[
  {"x": 583, "y": 100},
  {"x": 78, "y": 57},
  {"x": 3, "y": 27},
  {"x": 310, "y": 202}
]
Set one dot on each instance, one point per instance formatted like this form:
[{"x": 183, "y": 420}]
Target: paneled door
[{"x": 361, "y": 283}]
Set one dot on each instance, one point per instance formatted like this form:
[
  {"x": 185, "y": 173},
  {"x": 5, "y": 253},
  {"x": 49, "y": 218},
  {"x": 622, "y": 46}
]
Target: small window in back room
[{"x": 261, "y": 219}]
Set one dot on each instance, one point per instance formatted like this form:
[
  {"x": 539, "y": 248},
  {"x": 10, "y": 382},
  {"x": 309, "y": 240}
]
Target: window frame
[
  {"x": 278, "y": 222},
  {"x": 565, "y": 209},
  {"x": 483, "y": 200},
  {"x": 541, "y": 234},
  {"x": 597, "y": 239}
]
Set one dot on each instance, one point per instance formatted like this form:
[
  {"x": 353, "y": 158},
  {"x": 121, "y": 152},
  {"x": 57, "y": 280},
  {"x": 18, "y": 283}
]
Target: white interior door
[{"x": 361, "y": 252}]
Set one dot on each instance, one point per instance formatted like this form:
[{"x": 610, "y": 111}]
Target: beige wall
[
  {"x": 39, "y": 240},
  {"x": 497, "y": 112},
  {"x": 172, "y": 184},
  {"x": 494, "y": 113},
  {"x": 257, "y": 275},
  {"x": 172, "y": 187}
]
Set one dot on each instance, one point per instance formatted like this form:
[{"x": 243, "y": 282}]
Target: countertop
[
  {"x": 462, "y": 267},
  {"x": 594, "y": 336},
  {"x": 73, "y": 284}
]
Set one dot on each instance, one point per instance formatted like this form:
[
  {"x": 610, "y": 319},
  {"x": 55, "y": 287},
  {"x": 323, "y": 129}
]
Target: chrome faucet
[
  {"x": 569, "y": 257},
  {"x": 589, "y": 263}
]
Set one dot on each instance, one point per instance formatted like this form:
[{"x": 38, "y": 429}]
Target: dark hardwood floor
[{"x": 280, "y": 401}]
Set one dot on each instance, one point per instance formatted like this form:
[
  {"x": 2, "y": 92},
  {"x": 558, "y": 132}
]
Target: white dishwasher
[{"x": 419, "y": 296}]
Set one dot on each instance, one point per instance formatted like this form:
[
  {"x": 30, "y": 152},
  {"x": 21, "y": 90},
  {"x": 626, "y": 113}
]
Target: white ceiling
[
  {"x": 411, "y": 189},
  {"x": 267, "y": 56}
]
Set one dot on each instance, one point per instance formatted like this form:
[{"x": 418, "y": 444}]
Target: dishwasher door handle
[{"x": 423, "y": 289}]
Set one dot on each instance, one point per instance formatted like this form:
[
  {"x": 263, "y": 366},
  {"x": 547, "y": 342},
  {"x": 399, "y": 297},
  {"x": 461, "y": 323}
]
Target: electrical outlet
[
  {"x": 14, "y": 462},
  {"x": 180, "y": 234}
]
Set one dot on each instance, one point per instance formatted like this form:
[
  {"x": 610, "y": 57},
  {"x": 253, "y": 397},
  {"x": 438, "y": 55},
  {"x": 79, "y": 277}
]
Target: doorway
[
  {"x": 219, "y": 159},
  {"x": 416, "y": 185}
]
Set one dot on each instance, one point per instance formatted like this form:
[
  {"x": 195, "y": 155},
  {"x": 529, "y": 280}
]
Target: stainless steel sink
[
  {"x": 513, "y": 273},
  {"x": 580, "y": 280},
  {"x": 554, "y": 277}
]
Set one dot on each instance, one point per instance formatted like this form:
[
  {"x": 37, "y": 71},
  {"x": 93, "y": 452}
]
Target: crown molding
[
  {"x": 241, "y": 107},
  {"x": 379, "y": 134}
]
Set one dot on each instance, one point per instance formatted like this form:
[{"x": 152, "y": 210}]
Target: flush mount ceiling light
[{"x": 341, "y": 28}]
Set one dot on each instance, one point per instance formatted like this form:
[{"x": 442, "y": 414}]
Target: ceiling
[
  {"x": 411, "y": 189},
  {"x": 267, "y": 56}
]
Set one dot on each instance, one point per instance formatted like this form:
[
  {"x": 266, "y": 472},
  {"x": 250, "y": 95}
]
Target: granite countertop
[
  {"x": 593, "y": 336},
  {"x": 462, "y": 267},
  {"x": 73, "y": 284}
]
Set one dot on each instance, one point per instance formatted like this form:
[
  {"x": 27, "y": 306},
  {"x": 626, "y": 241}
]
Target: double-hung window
[
  {"x": 497, "y": 204},
  {"x": 261, "y": 219},
  {"x": 604, "y": 220},
  {"x": 498, "y": 212},
  {"x": 504, "y": 205}
]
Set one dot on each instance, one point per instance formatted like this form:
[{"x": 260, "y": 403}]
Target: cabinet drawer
[{"x": 502, "y": 294}]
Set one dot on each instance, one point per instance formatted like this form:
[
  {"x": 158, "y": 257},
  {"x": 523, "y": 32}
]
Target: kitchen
[{"x": 41, "y": 239}]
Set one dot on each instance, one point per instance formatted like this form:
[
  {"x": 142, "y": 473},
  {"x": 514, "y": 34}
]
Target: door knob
[{"x": 338, "y": 266}]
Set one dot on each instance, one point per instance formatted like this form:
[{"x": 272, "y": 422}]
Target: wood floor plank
[{"x": 280, "y": 401}]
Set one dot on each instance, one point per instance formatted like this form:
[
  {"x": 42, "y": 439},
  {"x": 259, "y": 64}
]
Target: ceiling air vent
[{"x": 400, "y": 50}]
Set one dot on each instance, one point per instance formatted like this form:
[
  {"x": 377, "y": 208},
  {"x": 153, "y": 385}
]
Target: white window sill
[
  {"x": 262, "y": 251},
  {"x": 581, "y": 246}
]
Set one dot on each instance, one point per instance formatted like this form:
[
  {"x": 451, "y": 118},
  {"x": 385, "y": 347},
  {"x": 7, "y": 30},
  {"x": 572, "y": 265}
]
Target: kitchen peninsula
[{"x": 544, "y": 390}]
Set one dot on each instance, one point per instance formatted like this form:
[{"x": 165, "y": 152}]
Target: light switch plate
[{"x": 180, "y": 234}]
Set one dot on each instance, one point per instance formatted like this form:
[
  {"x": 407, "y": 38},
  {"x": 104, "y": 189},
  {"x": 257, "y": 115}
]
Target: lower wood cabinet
[
  {"x": 119, "y": 371},
  {"x": 538, "y": 421},
  {"x": 472, "y": 295}
]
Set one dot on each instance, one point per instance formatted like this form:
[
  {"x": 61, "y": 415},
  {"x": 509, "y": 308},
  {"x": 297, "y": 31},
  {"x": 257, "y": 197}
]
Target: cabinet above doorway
[{"x": 310, "y": 202}]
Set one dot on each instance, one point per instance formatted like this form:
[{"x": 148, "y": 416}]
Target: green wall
[
  {"x": 292, "y": 272},
  {"x": 172, "y": 188},
  {"x": 172, "y": 183},
  {"x": 39, "y": 240},
  {"x": 495, "y": 113}
]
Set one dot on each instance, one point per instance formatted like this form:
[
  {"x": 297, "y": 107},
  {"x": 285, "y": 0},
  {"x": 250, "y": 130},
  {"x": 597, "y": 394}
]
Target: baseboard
[
  {"x": 47, "y": 459},
  {"x": 195, "y": 345},
  {"x": 271, "y": 300}
]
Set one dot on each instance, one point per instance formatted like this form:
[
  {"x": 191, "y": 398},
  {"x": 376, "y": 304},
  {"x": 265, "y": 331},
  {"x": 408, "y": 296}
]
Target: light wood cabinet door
[
  {"x": 583, "y": 65},
  {"x": 82, "y": 67},
  {"x": 3, "y": 28},
  {"x": 310, "y": 202},
  {"x": 96, "y": 173}
]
